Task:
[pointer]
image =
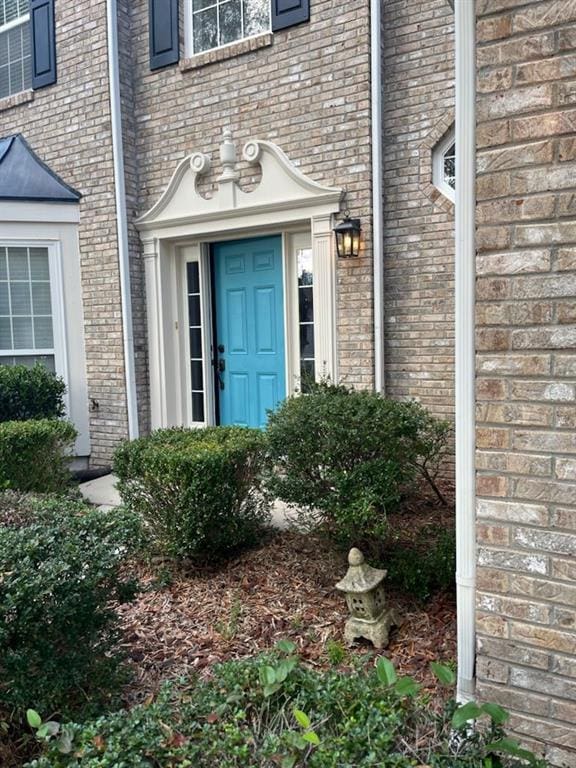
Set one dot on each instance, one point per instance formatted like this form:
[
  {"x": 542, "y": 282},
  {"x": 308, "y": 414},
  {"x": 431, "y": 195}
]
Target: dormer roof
[{"x": 24, "y": 177}]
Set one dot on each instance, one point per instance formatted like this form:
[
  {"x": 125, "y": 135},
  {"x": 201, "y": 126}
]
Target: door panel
[{"x": 249, "y": 295}]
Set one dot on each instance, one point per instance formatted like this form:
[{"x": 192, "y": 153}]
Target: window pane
[
  {"x": 307, "y": 373},
  {"x": 197, "y": 406},
  {"x": 18, "y": 263},
  {"x": 307, "y": 341},
  {"x": 22, "y": 327},
  {"x": 3, "y": 267},
  {"x": 306, "y": 305},
  {"x": 5, "y": 333},
  {"x": 196, "y": 343},
  {"x": 193, "y": 275},
  {"x": 205, "y": 30},
  {"x": 199, "y": 5},
  {"x": 256, "y": 17},
  {"x": 43, "y": 336},
  {"x": 20, "y": 298},
  {"x": 196, "y": 373},
  {"x": 39, "y": 269},
  {"x": 230, "y": 22},
  {"x": 4, "y": 303},
  {"x": 30, "y": 360},
  {"x": 194, "y": 310},
  {"x": 450, "y": 166},
  {"x": 305, "y": 266},
  {"x": 41, "y": 302}
]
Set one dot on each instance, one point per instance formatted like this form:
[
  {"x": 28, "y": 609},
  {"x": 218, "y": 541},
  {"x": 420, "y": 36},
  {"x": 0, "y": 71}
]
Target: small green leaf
[
  {"x": 284, "y": 668},
  {"x": 289, "y": 761},
  {"x": 466, "y": 712},
  {"x": 443, "y": 673},
  {"x": 511, "y": 747},
  {"x": 385, "y": 671},
  {"x": 47, "y": 730},
  {"x": 286, "y": 646},
  {"x": 302, "y": 718},
  {"x": 312, "y": 738},
  {"x": 497, "y": 713},
  {"x": 267, "y": 675},
  {"x": 34, "y": 719},
  {"x": 270, "y": 690},
  {"x": 406, "y": 686}
]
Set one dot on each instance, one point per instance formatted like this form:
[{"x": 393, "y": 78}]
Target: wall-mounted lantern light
[{"x": 348, "y": 238}]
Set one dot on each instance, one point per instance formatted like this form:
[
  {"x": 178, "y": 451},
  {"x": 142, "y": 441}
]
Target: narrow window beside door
[
  {"x": 306, "y": 316},
  {"x": 196, "y": 345}
]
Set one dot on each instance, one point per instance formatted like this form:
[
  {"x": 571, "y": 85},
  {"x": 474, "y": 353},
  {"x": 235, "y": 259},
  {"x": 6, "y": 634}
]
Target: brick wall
[
  {"x": 308, "y": 91},
  {"x": 68, "y": 125},
  {"x": 418, "y": 108},
  {"x": 526, "y": 362}
]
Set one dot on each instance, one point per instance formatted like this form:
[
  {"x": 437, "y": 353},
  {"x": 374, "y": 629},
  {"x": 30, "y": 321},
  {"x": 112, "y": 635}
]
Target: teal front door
[{"x": 249, "y": 299}]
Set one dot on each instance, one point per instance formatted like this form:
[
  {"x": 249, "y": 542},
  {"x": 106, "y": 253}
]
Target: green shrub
[
  {"x": 34, "y": 455},
  {"x": 270, "y": 711},
  {"x": 30, "y": 393},
  {"x": 198, "y": 489},
  {"x": 343, "y": 458},
  {"x": 425, "y": 565},
  {"x": 60, "y": 566}
]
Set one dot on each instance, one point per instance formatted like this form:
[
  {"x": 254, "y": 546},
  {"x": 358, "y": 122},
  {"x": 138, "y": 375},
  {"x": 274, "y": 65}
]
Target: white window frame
[
  {"x": 438, "y": 155},
  {"x": 17, "y": 22},
  {"x": 189, "y": 30},
  {"x": 58, "y": 351}
]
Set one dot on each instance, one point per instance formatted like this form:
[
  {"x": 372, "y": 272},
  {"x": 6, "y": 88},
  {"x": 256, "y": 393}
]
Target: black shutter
[
  {"x": 43, "y": 43},
  {"x": 164, "y": 33},
  {"x": 287, "y": 13}
]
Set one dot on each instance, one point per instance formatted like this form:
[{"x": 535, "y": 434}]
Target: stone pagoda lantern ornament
[{"x": 366, "y": 601}]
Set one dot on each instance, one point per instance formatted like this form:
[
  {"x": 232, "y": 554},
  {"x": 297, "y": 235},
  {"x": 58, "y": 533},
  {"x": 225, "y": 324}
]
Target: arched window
[{"x": 444, "y": 165}]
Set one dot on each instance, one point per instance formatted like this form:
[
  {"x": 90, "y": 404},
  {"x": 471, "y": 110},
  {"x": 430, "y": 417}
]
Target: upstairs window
[
  {"x": 444, "y": 165},
  {"x": 15, "y": 48},
  {"x": 215, "y": 23}
]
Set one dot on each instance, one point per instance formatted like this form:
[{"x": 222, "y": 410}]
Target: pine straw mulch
[{"x": 284, "y": 589}]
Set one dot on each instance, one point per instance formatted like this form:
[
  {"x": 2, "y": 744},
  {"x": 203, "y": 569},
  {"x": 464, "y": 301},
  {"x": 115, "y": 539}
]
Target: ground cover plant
[
  {"x": 343, "y": 459},
  {"x": 30, "y": 393},
  {"x": 61, "y": 573},
  {"x": 35, "y": 454},
  {"x": 199, "y": 490},
  {"x": 271, "y": 711}
]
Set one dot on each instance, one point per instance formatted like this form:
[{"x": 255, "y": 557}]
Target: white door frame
[{"x": 285, "y": 202}]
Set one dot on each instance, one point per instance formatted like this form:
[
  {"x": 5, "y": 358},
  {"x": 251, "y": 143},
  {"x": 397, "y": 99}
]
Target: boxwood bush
[
  {"x": 344, "y": 457},
  {"x": 60, "y": 571},
  {"x": 270, "y": 711},
  {"x": 34, "y": 455},
  {"x": 30, "y": 393},
  {"x": 199, "y": 490}
]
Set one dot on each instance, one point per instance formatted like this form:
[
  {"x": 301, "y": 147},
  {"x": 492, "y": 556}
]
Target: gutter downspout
[
  {"x": 465, "y": 32},
  {"x": 377, "y": 213},
  {"x": 121, "y": 217}
]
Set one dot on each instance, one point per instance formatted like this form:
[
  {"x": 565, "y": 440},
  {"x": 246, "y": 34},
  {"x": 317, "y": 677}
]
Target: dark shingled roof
[{"x": 23, "y": 176}]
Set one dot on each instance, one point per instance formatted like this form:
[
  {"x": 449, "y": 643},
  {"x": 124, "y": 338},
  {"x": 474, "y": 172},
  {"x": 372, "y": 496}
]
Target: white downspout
[
  {"x": 121, "y": 218},
  {"x": 465, "y": 343},
  {"x": 377, "y": 213}
]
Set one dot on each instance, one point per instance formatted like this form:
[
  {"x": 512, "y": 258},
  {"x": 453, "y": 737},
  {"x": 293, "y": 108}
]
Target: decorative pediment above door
[{"x": 282, "y": 188}]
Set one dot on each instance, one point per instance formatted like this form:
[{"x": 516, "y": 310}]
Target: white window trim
[
  {"x": 438, "y": 153},
  {"x": 189, "y": 31}
]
